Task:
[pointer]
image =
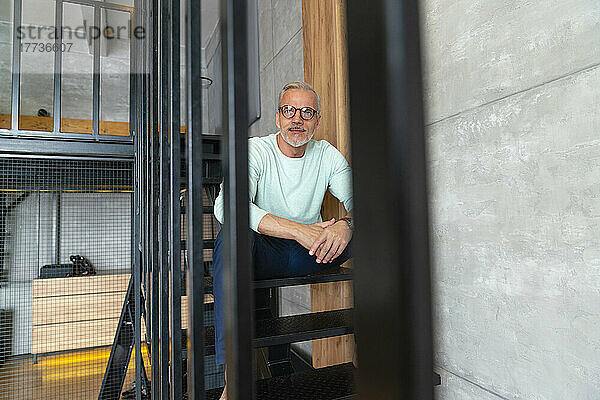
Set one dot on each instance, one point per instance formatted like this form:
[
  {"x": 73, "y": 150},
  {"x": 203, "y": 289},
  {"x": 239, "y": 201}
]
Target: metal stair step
[
  {"x": 289, "y": 329},
  {"x": 329, "y": 383},
  {"x": 298, "y": 328},
  {"x": 206, "y": 244},
  {"x": 335, "y": 274},
  {"x": 205, "y": 209}
]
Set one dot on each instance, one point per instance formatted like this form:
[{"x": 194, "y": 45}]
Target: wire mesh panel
[{"x": 65, "y": 264}]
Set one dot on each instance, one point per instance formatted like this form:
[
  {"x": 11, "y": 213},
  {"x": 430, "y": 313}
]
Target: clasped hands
[{"x": 326, "y": 240}]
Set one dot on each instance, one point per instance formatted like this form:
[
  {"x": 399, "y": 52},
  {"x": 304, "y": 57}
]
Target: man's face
[{"x": 297, "y": 131}]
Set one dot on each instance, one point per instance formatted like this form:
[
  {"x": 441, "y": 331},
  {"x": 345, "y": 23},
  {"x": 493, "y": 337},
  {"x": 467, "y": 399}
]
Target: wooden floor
[{"x": 75, "y": 375}]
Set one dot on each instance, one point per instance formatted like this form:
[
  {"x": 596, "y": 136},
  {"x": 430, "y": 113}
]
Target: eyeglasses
[{"x": 306, "y": 113}]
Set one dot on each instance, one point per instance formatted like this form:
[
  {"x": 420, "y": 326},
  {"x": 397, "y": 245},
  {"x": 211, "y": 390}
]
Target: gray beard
[{"x": 300, "y": 144}]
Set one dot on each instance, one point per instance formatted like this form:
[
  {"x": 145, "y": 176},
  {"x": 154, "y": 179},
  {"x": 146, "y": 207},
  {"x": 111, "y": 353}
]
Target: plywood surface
[
  {"x": 325, "y": 68},
  {"x": 73, "y": 335},
  {"x": 68, "y": 125},
  {"x": 85, "y": 307},
  {"x": 80, "y": 285},
  {"x": 81, "y": 312}
]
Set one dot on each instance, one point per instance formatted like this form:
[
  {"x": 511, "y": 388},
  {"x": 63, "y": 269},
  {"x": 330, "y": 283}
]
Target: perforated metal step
[
  {"x": 335, "y": 274},
  {"x": 335, "y": 382},
  {"x": 298, "y": 328},
  {"x": 205, "y": 209},
  {"x": 290, "y": 329},
  {"x": 207, "y": 244}
]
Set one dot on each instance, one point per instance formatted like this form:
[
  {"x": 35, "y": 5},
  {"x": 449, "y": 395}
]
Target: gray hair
[{"x": 299, "y": 85}]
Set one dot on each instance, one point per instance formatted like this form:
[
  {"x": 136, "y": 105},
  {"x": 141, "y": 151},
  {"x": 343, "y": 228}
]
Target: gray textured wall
[{"x": 512, "y": 102}]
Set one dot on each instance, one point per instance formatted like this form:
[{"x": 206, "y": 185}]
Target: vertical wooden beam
[{"x": 326, "y": 69}]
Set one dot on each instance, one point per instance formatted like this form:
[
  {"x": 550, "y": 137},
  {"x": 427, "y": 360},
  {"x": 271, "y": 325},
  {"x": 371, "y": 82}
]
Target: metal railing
[{"x": 391, "y": 254}]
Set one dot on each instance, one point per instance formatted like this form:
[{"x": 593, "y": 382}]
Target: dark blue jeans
[{"x": 271, "y": 258}]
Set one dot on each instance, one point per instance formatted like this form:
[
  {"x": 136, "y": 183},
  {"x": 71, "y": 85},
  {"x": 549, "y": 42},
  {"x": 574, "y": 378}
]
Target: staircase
[
  {"x": 277, "y": 333},
  {"x": 291, "y": 378}
]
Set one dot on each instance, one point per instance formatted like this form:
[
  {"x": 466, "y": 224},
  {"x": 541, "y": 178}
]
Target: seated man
[{"x": 289, "y": 174}]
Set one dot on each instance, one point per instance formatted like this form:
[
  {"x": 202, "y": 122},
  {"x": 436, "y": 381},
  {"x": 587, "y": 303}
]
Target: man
[{"x": 289, "y": 174}]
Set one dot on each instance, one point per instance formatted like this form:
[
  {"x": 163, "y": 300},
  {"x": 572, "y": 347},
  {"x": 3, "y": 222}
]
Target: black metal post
[
  {"x": 58, "y": 22},
  {"x": 148, "y": 118},
  {"x": 155, "y": 202},
  {"x": 96, "y": 77},
  {"x": 164, "y": 199},
  {"x": 176, "y": 373},
  {"x": 135, "y": 122},
  {"x": 57, "y": 231},
  {"x": 16, "y": 65},
  {"x": 392, "y": 283},
  {"x": 238, "y": 272},
  {"x": 195, "y": 273}
]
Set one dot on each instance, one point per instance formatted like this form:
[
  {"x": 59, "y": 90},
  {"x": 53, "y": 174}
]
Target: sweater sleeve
[
  {"x": 255, "y": 170},
  {"x": 340, "y": 179}
]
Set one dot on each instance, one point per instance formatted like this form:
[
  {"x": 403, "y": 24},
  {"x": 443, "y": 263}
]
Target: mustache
[{"x": 296, "y": 128}]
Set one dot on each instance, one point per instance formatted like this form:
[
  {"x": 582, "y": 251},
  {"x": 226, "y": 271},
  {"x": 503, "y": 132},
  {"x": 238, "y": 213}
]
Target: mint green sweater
[{"x": 292, "y": 188}]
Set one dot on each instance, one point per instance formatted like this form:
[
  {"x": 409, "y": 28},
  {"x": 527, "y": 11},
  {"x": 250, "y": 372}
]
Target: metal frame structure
[
  {"x": 396, "y": 362},
  {"x": 161, "y": 247},
  {"x": 15, "y": 142},
  {"x": 161, "y": 217},
  {"x": 14, "y": 131},
  {"x": 385, "y": 75},
  {"x": 195, "y": 273},
  {"x": 173, "y": 27},
  {"x": 138, "y": 133}
]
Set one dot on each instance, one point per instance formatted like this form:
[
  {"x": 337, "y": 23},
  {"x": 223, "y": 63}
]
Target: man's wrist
[
  {"x": 295, "y": 229},
  {"x": 348, "y": 221}
]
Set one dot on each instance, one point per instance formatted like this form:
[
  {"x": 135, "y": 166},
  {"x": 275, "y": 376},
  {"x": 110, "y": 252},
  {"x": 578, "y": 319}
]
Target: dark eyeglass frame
[{"x": 302, "y": 110}]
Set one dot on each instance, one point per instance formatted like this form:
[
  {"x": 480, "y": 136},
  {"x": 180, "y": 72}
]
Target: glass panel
[
  {"x": 37, "y": 65},
  {"x": 6, "y": 26},
  {"x": 122, "y": 2},
  {"x": 77, "y": 70},
  {"x": 114, "y": 74}
]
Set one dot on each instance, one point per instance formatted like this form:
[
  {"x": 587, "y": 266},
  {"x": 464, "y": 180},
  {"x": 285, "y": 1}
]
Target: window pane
[
  {"x": 77, "y": 70},
  {"x": 37, "y": 66},
  {"x": 114, "y": 75},
  {"x": 6, "y": 26},
  {"x": 122, "y": 2}
]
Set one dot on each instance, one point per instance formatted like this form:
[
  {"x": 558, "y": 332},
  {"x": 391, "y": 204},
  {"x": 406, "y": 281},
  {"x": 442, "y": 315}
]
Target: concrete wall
[
  {"x": 512, "y": 100},
  {"x": 280, "y": 56}
]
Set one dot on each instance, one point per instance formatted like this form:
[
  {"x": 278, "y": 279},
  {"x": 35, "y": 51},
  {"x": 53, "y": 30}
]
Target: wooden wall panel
[
  {"x": 325, "y": 68},
  {"x": 68, "y": 125}
]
